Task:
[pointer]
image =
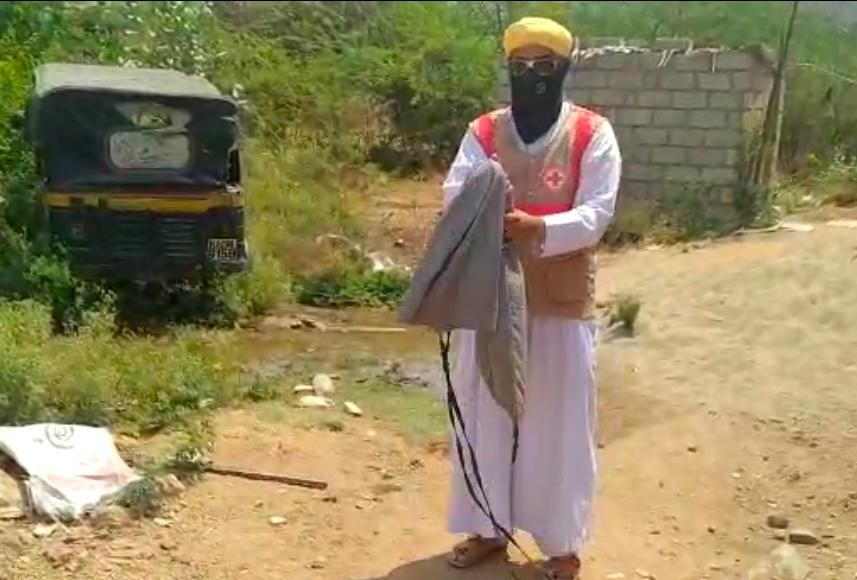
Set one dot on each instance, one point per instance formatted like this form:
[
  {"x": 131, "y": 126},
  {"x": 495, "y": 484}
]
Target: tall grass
[{"x": 93, "y": 377}]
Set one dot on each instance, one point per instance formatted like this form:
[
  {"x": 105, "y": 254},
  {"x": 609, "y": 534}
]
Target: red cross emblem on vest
[{"x": 553, "y": 179}]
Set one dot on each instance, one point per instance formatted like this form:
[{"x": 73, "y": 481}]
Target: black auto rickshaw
[{"x": 141, "y": 172}]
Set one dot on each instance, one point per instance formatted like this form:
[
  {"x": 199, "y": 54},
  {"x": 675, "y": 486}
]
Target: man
[{"x": 564, "y": 166}]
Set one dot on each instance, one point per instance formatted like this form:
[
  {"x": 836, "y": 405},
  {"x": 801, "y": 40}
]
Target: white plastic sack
[{"x": 72, "y": 468}]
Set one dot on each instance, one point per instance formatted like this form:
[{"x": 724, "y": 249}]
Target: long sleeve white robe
[{"x": 550, "y": 493}]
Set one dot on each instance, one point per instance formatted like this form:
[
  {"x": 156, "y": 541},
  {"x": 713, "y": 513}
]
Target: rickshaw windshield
[{"x": 116, "y": 135}]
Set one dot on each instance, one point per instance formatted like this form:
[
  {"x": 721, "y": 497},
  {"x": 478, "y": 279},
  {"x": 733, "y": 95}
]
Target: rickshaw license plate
[{"x": 223, "y": 250}]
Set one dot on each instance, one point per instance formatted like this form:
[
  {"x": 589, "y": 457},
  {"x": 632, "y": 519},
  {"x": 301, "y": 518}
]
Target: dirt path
[{"x": 735, "y": 402}]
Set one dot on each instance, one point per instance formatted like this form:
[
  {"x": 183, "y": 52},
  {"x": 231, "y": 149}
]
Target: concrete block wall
[{"x": 681, "y": 118}]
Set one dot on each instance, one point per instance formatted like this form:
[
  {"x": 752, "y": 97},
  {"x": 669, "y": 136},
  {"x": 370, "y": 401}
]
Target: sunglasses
[{"x": 541, "y": 66}]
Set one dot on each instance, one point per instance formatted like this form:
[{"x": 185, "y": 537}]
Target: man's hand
[{"x": 524, "y": 229}]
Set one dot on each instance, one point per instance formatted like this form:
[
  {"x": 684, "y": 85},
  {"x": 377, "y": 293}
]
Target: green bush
[
  {"x": 93, "y": 377},
  {"x": 350, "y": 285}
]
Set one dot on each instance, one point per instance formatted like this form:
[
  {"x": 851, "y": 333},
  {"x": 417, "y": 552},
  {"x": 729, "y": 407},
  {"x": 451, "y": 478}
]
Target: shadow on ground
[{"x": 436, "y": 568}]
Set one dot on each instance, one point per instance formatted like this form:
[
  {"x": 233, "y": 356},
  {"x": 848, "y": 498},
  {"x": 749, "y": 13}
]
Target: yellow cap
[{"x": 538, "y": 31}]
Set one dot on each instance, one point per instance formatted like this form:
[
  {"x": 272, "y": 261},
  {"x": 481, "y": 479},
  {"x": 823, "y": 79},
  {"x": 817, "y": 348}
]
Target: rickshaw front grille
[
  {"x": 180, "y": 238},
  {"x": 145, "y": 237}
]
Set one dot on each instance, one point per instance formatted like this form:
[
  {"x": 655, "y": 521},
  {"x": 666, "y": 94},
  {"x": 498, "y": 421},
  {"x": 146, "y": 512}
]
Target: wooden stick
[{"x": 258, "y": 476}]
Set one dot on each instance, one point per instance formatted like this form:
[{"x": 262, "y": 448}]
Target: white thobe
[{"x": 549, "y": 490}]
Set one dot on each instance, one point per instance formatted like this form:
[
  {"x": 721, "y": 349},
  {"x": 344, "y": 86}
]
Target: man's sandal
[
  {"x": 566, "y": 568},
  {"x": 474, "y": 551}
]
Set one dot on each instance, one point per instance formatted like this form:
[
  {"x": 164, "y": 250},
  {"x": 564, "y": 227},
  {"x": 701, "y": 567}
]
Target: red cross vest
[{"x": 543, "y": 184}]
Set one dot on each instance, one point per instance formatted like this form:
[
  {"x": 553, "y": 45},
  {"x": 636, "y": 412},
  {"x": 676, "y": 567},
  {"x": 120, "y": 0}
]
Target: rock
[
  {"x": 276, "y": 520},
  {"x": 797, "y": 227},
  {"x": 644, "y": 574},
  {"x": 784, "y": 563},
  {"x": 399, "y": 243},
  {"x": 615, "y": 576},
  {"x": 352, "y": 409},
  {"x": 168, "y": 545},
  {"x": 843, "y": 224},
  {"x": 112, "y": 517},
  {"x": 323, "y": 385},
  {"x": 318, "y": 563},
  {"x": 162, "y": 522},
  {"x": 712, "y": 530},
  {"x": 313, "y": 323},
  {"x": 330, "y": 499},
  {"x": 281, "y": 322},
  {"x": 781, "y": 535},
  {"x": 44, "y": 530},
  {"x": 692, "y": 448},
  {"x": 170, "y": 485},
  {"x": 778, "y": 522},
  {"x": 386, "y": 487},
  {"x": 314, "y": 402},
  {"x": 62, "y": 556},
  {"x": 803, "y": 537},
  {"x": 334, "y": 426},
  {"x": 303, "y": 389}
]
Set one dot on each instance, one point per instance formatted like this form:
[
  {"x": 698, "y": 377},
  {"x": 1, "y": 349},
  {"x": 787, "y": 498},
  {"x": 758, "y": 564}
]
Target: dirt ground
[{"x": 735, "y": 401}]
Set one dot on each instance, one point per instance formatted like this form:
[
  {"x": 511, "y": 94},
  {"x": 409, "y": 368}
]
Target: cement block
[
  {"x": 733, "y": 157},
  {"x": 652, "y": 81},
  {"x": 637, "y": 154},
  {"x": 588, "y": 79},
  {"x": 669, "y": 155},
  {"x": 669, "y": 118},
  {"x": 626, "y": 79},
  {"x": 611, "y": 61},
  {"x": 634, "y": 117},
  {"x": 682, "y": 173},
  {"x": 687, "y": 137},
  {"x": 707, "y": 157},
  {"x": 736, "y": 119},
  {"x": 651, "y": 136},
  {"x": 580, "y": 96},
  {"x": 714, "y": 81},
  {"x": 708, "y": 119},
  {"x": 626, "y": 136},
  {"x": 735, "y": 61},
  {"x": 723, "y": 138},
  {"x": 649, "y": 61},
  {"x": 655, "y": 99},
  {"x": 690, "y": 100},
  {"x": 698, "y": 61},
  {"x": 719, "y": 175},
  {"x": 607, "y": 97},
  {"x": 755, "y": 100},
  {"x": 742, "y": 81},
  {"x": 726, "y": 101},
  {"x": 635, "y": 189},
  {"x": 601, "y": 41},
  {"x": 669, "y": 43},
  {"x": 677, "y": 80},
  {"x": 643, "y": 172}
]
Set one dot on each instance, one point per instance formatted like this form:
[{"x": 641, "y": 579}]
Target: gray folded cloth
[{"x": 470, "y": 280}]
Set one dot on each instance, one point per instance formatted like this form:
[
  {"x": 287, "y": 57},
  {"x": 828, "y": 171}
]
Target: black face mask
[{"x": 537, "y": 100}]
